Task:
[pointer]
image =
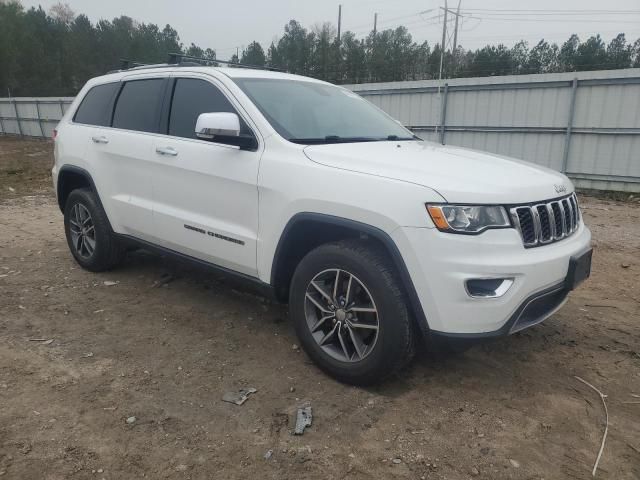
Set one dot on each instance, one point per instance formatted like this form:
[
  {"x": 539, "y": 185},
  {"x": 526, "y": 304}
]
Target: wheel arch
[
  {"x": 306, "y": 231},
  {"x": 71, "y": 178}
]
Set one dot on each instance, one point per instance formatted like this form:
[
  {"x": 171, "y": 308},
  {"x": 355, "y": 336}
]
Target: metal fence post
[
  {"x": 39, "y": 118},
  {"x": 15, "y": 107},
  {"x": 567, "y": 138},
  {"x": 443, "y": 113}
]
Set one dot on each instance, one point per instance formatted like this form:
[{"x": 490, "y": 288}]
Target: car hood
[{"x": 460, "y": 175}]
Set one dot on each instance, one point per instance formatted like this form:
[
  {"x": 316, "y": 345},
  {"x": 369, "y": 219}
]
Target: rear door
[
  {"x": 205, "y": 193},
  {"x": 122, "y": 153}
]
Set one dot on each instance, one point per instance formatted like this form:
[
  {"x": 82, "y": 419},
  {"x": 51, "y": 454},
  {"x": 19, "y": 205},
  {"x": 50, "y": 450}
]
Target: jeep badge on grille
[{"x": 560, "y": 188}]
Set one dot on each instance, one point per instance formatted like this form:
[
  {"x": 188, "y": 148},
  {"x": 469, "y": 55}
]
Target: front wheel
[{"x": 350, "y": 313}]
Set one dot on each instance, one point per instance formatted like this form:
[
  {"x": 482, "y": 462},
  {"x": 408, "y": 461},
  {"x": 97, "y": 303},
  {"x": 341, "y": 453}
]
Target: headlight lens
[{"x": 468, "y": 218}]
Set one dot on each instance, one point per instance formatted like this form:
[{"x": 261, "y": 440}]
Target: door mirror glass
[{"x": 222, "y": 124}]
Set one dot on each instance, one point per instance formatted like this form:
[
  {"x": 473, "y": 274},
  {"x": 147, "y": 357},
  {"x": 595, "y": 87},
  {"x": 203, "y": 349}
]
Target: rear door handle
[
  {"x": 100, "y": 139},
  {"x": 169, "y": 151}
]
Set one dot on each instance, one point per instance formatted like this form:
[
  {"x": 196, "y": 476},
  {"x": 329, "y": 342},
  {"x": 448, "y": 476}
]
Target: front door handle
[
  {"x": 169, "y": 151},
  {"x": 100, "y": 139}
]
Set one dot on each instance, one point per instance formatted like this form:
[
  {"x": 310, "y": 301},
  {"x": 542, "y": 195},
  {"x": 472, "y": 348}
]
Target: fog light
[{"x": 488, "y": 287}]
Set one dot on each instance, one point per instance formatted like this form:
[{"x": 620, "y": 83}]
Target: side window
[
  {"x": 191, "y": 97},
  {"x": 138, "y": 106},
  {"x": 96, "y": 106}
]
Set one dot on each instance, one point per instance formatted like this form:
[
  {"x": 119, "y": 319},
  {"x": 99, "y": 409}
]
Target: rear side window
[
  {"x": 96, "y": 106},
  {"x": 191, "y": 97},
  {"x": 138, "y": 106}
]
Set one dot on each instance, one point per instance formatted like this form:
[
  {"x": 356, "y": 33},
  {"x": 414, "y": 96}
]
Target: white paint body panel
[
  {"x": 458, "y": 174},
  {"x": 251, "y": 196}
]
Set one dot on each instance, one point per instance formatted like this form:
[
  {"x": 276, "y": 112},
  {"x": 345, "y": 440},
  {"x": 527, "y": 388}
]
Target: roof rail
[
  {"x": 182, "y": 60},
  {"x": 179, "y": 59},
  {"x": 126, "y": 64}
]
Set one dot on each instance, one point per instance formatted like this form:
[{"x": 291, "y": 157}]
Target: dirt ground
[{"x": 78, "y": 357}]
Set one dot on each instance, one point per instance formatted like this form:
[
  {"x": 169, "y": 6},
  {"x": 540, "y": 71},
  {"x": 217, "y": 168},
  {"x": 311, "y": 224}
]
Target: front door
[{"x": 205, "y": 193}]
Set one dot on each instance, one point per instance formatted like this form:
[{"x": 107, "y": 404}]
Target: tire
[
  {"x": 99, "y": 250},
  {"x": 374, "y": 277}
]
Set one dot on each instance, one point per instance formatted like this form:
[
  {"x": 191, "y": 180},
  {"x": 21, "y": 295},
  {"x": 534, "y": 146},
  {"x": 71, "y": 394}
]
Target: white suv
[{"x": 374, "y": 237}]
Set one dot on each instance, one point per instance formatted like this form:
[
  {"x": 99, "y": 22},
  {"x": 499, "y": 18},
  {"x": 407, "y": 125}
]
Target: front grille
[{"x": 547, "y": 222}]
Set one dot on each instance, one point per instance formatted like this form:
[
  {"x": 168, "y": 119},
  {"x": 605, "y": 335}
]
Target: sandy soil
[{"x": 78, "y": 358}]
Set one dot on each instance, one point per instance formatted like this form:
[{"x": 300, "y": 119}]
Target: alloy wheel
[
  {"x": 341, "y": 315},
  {"x": 83, "y": 232}
]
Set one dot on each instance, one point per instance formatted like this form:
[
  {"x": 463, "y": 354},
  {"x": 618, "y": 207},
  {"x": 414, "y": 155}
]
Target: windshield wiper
[
  {"x": 396, "y": 138},
  {"x": 332, "y": 139},
  {"x": 338, "y": 139}
]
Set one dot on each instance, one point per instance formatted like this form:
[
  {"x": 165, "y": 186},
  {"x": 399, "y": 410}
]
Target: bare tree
[{"x": 62, "y": 12}]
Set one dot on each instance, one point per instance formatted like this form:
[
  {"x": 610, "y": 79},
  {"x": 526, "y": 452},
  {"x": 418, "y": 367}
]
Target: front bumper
[{"x": 440, "y": 263}]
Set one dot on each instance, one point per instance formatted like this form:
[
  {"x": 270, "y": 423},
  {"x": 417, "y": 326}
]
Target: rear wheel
[
  {"x": 89, "y": 235},
  {"x": 350, "y": 313}
]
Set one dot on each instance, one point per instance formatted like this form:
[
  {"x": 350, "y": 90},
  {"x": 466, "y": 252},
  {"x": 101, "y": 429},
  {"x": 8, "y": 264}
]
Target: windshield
[{"x": 315, "y": 113}]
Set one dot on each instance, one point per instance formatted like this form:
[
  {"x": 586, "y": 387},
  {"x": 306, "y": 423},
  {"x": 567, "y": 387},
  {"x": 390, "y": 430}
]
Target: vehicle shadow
[{"x": 492, "y": 362}]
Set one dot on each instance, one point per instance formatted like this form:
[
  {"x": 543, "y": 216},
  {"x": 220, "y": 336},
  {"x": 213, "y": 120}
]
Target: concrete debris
[
  {"x": 303, "y": 420},
  {"x": 131, "y": 420},
  {"x": 238, "y": 397},
  {"x": 165, "y": 280}
]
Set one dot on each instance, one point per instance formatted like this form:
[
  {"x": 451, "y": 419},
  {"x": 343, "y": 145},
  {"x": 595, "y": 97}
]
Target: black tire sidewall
[
  {"x": 392, "y": 314},
  {"x": 100, "y": 259}
]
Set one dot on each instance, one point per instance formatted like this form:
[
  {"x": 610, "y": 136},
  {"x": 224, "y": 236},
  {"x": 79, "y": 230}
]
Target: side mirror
[
  {"x": 224, "y": 127},
  {"x": 223, "y": 124}
]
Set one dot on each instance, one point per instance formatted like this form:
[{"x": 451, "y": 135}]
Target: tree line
[{"x": 56, "y": 52}]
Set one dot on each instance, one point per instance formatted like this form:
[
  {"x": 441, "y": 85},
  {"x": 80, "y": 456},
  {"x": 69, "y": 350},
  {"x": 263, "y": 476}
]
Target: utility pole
[
  {"x": 375, "y": 23},
  {"x": 444, "y": 39},
  {"x": 455, "y": 33},
  {"x": 444, "y": 34},
  {"x": 339, "y": 21}
]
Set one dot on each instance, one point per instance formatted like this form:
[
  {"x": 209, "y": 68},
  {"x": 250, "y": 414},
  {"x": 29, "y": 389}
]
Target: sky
[{"x": 227, "y": 26}]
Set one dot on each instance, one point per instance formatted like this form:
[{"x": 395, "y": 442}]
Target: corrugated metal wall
[
  {"x": 34, "y": 117},
  {"x": 586, "y": 124}
]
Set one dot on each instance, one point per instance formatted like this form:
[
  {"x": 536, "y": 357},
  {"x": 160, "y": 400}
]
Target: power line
[
  {"x": 552, "y": 11},
  {"x": 392, "y": 19},
  {"x": 573, "y": 20},
  {"x": 548, "y": 14}
]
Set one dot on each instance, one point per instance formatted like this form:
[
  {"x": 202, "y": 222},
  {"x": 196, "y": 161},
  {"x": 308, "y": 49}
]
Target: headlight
[{"x": 468, "y": 219}]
